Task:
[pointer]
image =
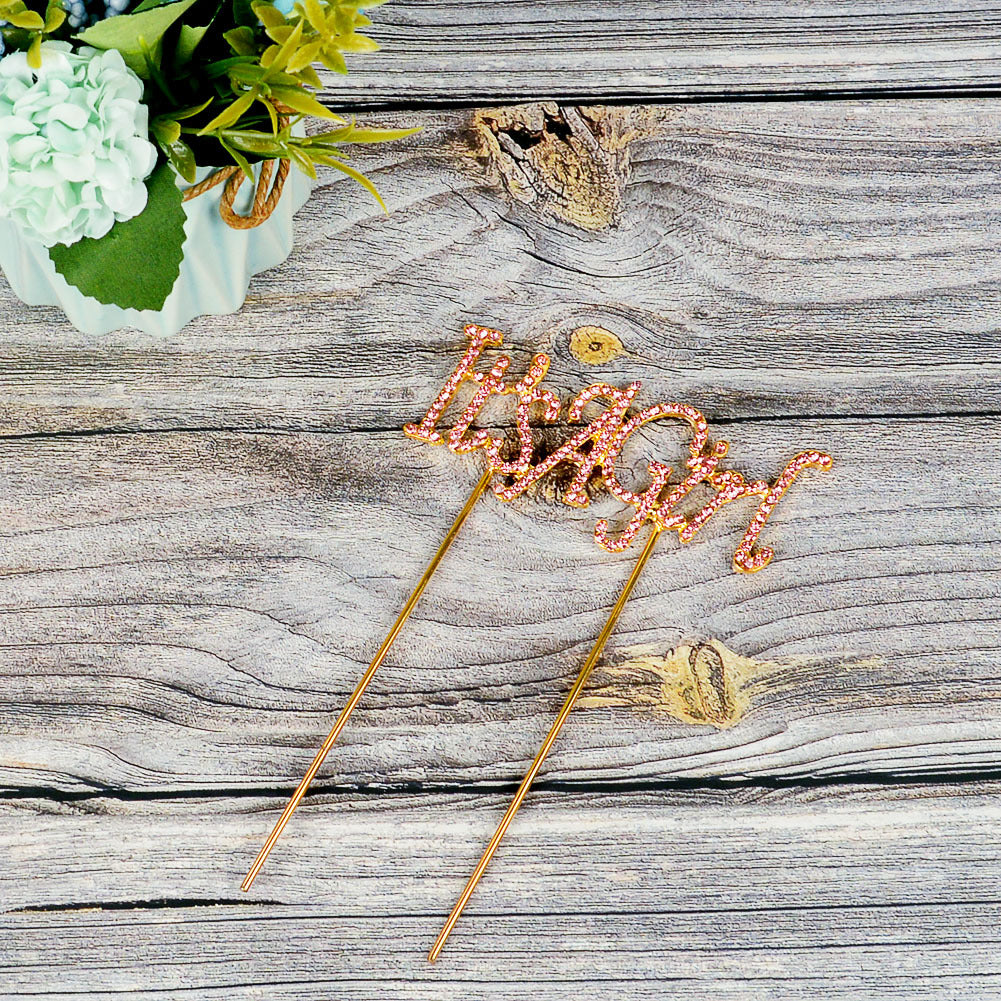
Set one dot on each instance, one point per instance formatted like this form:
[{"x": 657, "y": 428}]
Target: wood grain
[
  {"x": 188, "y": 611},
  {"x": 767, "y": 260},
  {"x": 203, "y": 539},
  {"x": 865, "y": 893},
  {"x": 585, "y": 50}
]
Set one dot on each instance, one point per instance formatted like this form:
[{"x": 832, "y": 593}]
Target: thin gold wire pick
[
  {"x": 359, "y": 690},
  {"x": 480, "y": 337}
]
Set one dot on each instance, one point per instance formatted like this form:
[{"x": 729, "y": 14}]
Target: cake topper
[{"x": 596, "y": 445}]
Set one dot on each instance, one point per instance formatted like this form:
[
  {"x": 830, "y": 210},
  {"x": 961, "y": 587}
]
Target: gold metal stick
[
  {"x": 356, "y": 695},
  {"x": 529, "y": 778}
]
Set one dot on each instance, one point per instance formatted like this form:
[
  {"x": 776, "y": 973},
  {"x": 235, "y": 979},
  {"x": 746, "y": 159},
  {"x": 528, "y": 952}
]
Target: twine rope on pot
[{"x": 266, "y": 194}]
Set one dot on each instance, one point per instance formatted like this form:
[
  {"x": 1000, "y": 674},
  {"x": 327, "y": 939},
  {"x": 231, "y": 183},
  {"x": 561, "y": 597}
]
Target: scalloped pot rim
[{"x": 218, "y": 263}]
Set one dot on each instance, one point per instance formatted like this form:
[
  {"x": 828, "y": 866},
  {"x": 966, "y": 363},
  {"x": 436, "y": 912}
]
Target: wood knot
[
  {"x": 697, "y": 682},
  {"x": 710, "y": 692},
  {"x": 568, "y": 161},
  {"x": 595, "y": 345}
]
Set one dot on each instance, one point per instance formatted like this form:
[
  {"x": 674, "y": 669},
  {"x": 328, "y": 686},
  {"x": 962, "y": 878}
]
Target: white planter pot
[{"x": 218, "y": 264}]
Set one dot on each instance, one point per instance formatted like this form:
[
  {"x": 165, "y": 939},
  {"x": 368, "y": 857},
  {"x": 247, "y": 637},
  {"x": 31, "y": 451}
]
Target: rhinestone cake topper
[
  {"x": 594, "y": 446},
  {"x": 606, "y": 436}
]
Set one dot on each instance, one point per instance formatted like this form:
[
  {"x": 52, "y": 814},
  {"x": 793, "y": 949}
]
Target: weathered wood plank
[
  {"x": 587, "y": 50},
  {"x": 886, "y": 893},
  {"x": 755, "y": 259},
  {"x": 187, "y": 611}
]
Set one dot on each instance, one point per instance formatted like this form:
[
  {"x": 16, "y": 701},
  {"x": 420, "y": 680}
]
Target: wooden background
[{"x": 790, "y": 216}]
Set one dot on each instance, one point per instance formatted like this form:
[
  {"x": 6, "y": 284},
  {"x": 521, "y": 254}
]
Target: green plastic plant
[{"x": 225, "y": 82}]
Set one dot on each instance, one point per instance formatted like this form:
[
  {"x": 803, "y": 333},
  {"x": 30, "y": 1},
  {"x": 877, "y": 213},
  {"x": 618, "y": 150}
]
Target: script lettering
[{"x": 598, "y": 445}]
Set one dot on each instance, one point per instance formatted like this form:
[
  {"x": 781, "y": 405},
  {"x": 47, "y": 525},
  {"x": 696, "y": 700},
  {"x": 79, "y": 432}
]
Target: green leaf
[
  {"x": 243, "y": 13},
  {"x": 258, "y": 143},
  {"x": 231, "y": 115},
  {"x": 121, "y": 268},
  {"x": 358, "y": 176},
  {"x": 350, "y": 134},
  {"x": 55, "y": 15},
  {"x": 241, "y": 160},
  {"x": 246, "y": 74},
  {"x": 359, "y": 43},
  {"x": 221, "y": 67},
  {"x": 279, "y": 33},
  {"x": 334, "y": 61},
  {"x": 342, "y": 21},
  {"x": 150, "y": 5},
  {"x": 128, "y": 32},
  {"x": 241, "y": 40},
  {"x": 152, "y": 59},
  {"x": 179, "y": 114},
  {"x": 187, "y": 41},
  {"x": 308, "y": 75},
  {"x": 166, "y": 130},
  {"x": 301, "y": 100},
  {"x": 306, "y": 56},
  {"x": 273, "y": 115},
  {"x": 268, "y": 14},
  {"x": 314, "y": 14},
  {"x": 303, "y": 162},
  {"x": 27, "y": 19},
  {"x": 280, "y": 58},
  {"x": 182, "y": 159}
]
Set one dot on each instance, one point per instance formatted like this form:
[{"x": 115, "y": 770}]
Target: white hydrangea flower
[{"x": 74, "y": 151}]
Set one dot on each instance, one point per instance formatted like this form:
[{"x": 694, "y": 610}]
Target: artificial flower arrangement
[{"x": 127, "y": 128}]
